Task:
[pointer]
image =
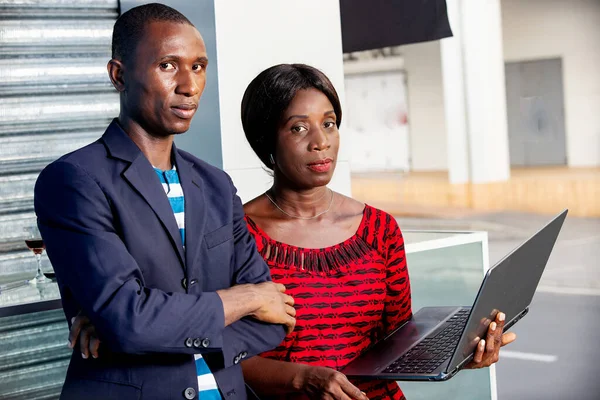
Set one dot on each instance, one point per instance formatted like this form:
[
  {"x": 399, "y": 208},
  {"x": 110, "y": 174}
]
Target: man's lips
[{"x": 185, "y": 111}]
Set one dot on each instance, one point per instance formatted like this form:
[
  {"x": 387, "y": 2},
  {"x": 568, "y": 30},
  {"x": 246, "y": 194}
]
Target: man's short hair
[{"x": 130, "y": 26}]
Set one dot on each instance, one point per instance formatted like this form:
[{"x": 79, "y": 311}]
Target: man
[{"x": 150, "y": 242}]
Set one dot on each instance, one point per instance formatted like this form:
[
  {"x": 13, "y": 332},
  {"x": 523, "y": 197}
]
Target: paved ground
[
  {"x": 564, "y": 328},
  {"x": 574, "y": 263},
  {"x": 557, "y": 351}
]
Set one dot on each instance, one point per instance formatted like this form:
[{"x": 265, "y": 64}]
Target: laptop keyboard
[{"x": 431, "y": 352}]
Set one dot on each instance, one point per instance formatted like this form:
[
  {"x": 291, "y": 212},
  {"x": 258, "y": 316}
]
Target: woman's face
[{"x": 307, "y": 141}]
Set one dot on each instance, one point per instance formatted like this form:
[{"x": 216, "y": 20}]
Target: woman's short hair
[{"x": 270, "y": 94}]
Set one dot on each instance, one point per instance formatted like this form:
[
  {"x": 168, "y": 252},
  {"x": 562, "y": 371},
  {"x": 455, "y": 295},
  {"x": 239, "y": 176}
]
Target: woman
[{"x": 342, "y": 261}]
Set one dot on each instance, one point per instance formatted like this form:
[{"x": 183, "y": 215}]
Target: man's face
[{"x": 164, "y": 79}]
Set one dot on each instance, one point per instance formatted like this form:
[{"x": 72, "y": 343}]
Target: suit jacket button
[
  {"x": 236, "y": 360},
  {"x": 197, "y": 342},
  {"x": 193, "y": 282},
  {"x": 189, "y": 393},
  {"x": 205, "y": 342},
  {"x": 184, "y": 283},
  {"x": 189, "y": 342},
  {"x": 244, "y": 354}
]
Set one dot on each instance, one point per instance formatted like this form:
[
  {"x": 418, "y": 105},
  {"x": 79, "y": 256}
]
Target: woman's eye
[
  {"x": 167, "y": 66},
  {"x": 298, "y": 129},
  {"x": 329, "y": 124}
]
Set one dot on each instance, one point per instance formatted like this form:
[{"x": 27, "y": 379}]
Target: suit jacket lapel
[
  {"x": 143, "y": 179},
  {"x": 195, "y": 210}
]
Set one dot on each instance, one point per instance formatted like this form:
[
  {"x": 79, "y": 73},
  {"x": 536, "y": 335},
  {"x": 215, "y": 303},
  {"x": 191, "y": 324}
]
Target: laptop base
[{"x": 427, "y": 322}]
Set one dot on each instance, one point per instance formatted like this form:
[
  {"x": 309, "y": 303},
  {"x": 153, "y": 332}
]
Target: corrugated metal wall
[
  {"x": 33, "y": 355},
  {"x": 55, "y": 96}
]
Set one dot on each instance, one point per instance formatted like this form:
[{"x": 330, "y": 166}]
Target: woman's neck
[{"x": 301, "y": 203}]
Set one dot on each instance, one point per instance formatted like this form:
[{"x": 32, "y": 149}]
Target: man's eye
[
  {"x": 198, "y": 67},
  {"x": 167, "y": 66}
]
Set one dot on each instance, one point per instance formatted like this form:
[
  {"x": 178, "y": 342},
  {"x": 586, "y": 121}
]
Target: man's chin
[{"x": 179, "y": 129}]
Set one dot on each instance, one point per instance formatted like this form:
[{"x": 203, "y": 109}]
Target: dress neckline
[
  {"x": 359, "y": 231},
  {"x": 323, "y": 261}
]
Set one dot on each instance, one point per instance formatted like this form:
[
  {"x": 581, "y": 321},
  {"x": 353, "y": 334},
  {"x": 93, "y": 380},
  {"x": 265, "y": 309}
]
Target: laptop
[{"x": 438, "y": 341}]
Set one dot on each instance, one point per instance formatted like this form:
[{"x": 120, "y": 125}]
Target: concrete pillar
[
  {"x": 474, "y": 93},
  {"x": 252, "y": 36}
]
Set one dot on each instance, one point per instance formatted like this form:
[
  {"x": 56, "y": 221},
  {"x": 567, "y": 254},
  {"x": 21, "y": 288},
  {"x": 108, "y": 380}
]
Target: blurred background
[{"x": 459, "y": 116}]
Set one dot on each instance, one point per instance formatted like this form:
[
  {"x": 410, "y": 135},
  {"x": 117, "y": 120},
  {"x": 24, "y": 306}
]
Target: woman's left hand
[{"x": 488, "y": 349}]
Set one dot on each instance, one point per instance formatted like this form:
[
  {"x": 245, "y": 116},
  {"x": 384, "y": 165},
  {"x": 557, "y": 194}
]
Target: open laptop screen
[{"x": 518, "y": 273}]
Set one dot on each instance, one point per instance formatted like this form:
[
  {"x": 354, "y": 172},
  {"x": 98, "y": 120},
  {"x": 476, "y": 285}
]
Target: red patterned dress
[{"x": 346, "y": 296}]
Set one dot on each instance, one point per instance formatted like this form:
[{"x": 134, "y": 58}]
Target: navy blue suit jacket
[{"x": 113, "y": 241}]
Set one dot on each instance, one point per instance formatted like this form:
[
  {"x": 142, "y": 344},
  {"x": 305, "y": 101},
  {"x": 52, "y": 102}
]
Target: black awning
[{"x": 373, "y": 24}]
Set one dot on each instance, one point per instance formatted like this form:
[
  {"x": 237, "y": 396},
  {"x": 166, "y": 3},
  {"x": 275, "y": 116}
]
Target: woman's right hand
[
  {"x": 326, "y": 383},
  {"x": 82, "y": 328}
]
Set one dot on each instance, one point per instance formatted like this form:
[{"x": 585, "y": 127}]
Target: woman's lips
[{"x": 321, "y": 165}]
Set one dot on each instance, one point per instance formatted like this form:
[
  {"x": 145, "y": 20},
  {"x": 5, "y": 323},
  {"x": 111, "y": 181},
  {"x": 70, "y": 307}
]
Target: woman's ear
[{"x": 115, "y": 73}]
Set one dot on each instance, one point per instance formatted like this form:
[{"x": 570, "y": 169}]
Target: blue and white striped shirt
[
  {"x": 207, "y": 386},
  {"x": 172, "y": 187}
]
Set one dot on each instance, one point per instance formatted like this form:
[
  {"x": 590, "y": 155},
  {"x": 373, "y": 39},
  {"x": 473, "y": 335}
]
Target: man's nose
[{"x": 189, "y": 83}]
